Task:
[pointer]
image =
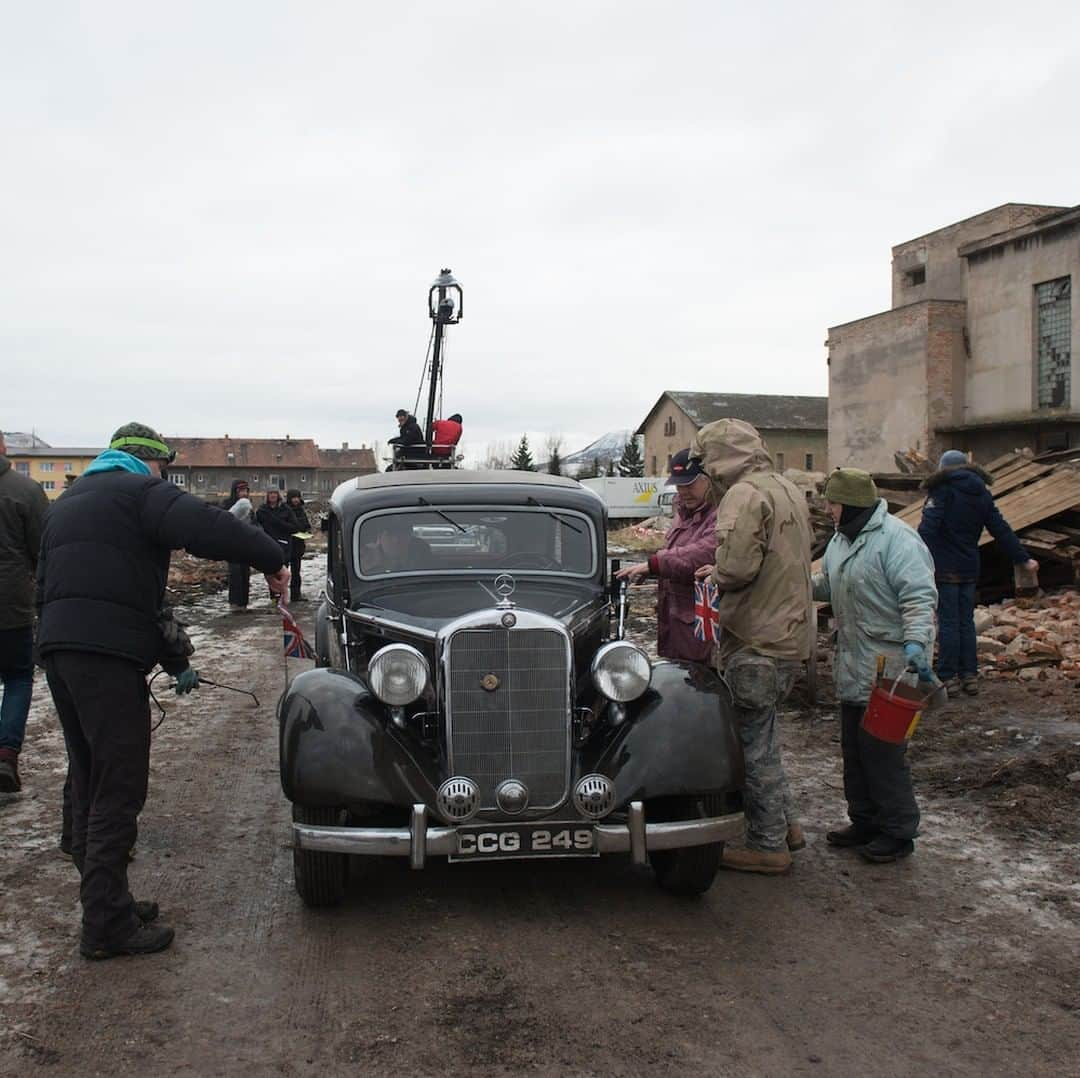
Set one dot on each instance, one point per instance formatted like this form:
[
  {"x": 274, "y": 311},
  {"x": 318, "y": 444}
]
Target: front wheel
[
  {"x": 691, "y": 870},
  {"x": 320, "y": 877}
]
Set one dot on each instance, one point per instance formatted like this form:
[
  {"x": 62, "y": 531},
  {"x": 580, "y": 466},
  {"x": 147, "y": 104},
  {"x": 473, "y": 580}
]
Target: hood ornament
[{"x": 505, "y": 586}]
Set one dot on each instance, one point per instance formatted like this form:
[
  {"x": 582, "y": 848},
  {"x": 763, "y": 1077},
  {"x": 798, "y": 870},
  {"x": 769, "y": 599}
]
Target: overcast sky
[{"x": 224, "y": 217}]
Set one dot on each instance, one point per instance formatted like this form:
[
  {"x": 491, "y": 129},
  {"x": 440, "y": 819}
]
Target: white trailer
[{"x": 628, "y": 498}]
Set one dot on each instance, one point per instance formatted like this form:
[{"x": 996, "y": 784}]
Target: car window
[{"x": 455, "y": 539}]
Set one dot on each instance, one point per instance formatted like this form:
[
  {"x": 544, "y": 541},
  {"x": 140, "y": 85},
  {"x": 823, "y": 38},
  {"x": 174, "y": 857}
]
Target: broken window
[{"x": 1053, "y": 302}]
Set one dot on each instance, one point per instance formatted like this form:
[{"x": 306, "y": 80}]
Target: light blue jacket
[{"x": 881, "y": 587}]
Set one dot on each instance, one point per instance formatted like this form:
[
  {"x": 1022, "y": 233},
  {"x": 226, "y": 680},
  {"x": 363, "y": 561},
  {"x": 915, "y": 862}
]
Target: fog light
[
  {"x": 458, "y": 799},
  {"x": 594, "y": 796},
  {"x": 512, "y": 797}
]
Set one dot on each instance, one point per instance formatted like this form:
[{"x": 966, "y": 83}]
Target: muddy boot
[
  {"x": 970, "y": 685},
  {"x": 796, "y": 839},
  {"x": 885, "y": 848},
  {"x": 9, "y": 772},
  {"x": 849, "y": 836},
  {"x": 146, "y": 939},
  {"x": 952, "y": 687},
  {"x": 745, "y": 859}
]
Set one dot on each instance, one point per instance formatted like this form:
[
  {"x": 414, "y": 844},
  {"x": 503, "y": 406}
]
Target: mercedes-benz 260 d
[{"x": 474, "y": 700}]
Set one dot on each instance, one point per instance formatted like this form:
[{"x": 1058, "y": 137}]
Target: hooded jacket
[
  {"x": 409, "y": 434},
  {"x": 691, "y": 543},
  {"x": 881, "y": 587},
  {"x": 105, "y": 558},
  {"x": 234, "y": 493},
  {"x": 298, "y": 511},
  {"x": 23, "y": 505},
  {"x": 445, "y": 434},
  {"x": 763, "y": 542},
  {"x": 277, "y": 520},
  {"x": 958, "y": 507}
]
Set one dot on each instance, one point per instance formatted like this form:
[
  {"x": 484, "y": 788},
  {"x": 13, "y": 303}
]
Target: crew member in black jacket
[
  {"x": 277, "y": 520},
  {"x": 101, "y": 582},
  {"x": 294, "y": 500}
]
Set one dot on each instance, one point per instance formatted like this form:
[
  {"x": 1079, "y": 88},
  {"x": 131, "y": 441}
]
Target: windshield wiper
[
  {"x": 449, "y": 520},
  {"x": 558, "y": 516}
]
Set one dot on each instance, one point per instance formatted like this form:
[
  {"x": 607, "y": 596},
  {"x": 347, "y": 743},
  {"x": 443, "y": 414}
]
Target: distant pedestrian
[
  {"x": 762, "y": 572},
  {"x": 879, "y": 578},
  {"x": 101, "y": 583},
  {"x": 690, "y": 543},
  {"x": 958, "y": 507},
  {"x": 277, "y": 520},
  {"x": 239, "y": 504},
  {"x": 294, "y": 500},
  {"x": 23, "y": 505}
]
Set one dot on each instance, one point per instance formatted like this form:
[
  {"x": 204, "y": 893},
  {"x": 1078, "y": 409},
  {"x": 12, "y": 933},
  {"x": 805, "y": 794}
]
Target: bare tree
[
  {"x": 553, "y": 449},
  {"x": 497, "y": 456}
]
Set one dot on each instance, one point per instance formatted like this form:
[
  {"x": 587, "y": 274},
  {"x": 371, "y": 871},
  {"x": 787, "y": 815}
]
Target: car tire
[
  {"x": 320, "y": 877},
  {"x": 690, "y": 871}
]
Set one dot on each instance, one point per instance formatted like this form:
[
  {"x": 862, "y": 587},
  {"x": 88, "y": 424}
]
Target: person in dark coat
[
  {"x": 958, "y": 507},
  {"x": 294, "y": 500},
  {"x": 239, "y": 504},
  {"x": 22, "y": 514},
  {"x": 101, "y": 579},
  {"x": 409, "y": 436}
]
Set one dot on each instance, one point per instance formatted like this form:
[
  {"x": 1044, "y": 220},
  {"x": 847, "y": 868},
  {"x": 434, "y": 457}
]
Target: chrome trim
[
  {"x": 382, "y": 623},
  {"x": 491, "y": 619},
  {"x": 419, "y": 841}
]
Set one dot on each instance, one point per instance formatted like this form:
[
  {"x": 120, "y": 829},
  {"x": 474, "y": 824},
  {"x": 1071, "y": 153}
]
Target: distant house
[
  {"x": 337, "y": 465},
  {"x": 54, "y": 468},
  {"x": 794, "y": 428},
  {"x": 208, "y": 466}
]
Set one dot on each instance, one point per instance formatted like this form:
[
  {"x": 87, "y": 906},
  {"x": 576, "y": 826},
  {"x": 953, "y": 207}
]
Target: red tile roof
[
  {"x": 357, "y": 460},
  {"x": 264, "y": 453}
]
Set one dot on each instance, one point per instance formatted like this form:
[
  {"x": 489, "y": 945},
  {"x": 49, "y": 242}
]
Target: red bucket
[{"x": 893, "y": 713}]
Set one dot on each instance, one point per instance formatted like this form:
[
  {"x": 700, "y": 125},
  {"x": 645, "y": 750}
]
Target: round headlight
[
  {"x": 621, "y": 671},
  {"x": 398, "y": 674}
]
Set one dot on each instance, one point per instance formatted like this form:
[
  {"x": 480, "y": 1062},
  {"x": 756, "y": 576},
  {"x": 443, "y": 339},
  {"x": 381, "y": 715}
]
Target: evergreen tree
[
  {"x": 522, "y": 460},
  {"x": 555, "y": 463},
  {"x": 632, "y": 463}
]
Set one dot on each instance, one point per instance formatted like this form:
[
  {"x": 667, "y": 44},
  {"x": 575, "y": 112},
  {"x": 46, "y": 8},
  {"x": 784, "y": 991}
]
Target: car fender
[
  {"x": 679, "y": 739},
  {"x": 337, "y": 747}
]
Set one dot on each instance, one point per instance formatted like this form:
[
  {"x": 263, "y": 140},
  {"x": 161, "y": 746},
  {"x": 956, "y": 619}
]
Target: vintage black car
[{"x": 473, "y": 699}]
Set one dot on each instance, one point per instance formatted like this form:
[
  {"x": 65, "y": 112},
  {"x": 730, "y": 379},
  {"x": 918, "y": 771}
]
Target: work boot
[
  {"x": 796, "y": 840},
  {"x": 9, "y": 772},
  {"x": 146, "y": 939},
  {"x": 884, "y": 848},
  {"x": 849, "y": 836},
  {"x": 970, "y": 685},
  {"x": 146, "y": 911},
  {"x": 745, "y": 859},
  {"x": 952, "y": 687}
]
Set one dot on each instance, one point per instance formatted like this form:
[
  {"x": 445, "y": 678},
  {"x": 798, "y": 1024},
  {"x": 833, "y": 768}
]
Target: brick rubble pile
[{"x": 1031, "y": 639}]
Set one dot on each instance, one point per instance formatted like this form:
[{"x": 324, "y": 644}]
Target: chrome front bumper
[{"x": 418, "y": 840}]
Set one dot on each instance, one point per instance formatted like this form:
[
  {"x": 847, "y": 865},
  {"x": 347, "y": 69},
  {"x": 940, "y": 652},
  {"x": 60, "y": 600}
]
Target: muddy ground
[{"x": 964, "y": 959}]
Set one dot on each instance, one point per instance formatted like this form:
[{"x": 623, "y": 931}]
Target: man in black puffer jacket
[
  {"x": 958, "y": 507},
  {"x": 100, "y": 588}
]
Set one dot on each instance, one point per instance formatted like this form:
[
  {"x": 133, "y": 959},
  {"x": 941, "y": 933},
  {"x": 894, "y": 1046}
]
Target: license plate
[{"x": 504, "y": 841}]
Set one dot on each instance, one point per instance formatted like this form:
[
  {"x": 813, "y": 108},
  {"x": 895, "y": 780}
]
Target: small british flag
[
  {"x": 706, "y": 611},
  {"x": 296, "y": 647}
]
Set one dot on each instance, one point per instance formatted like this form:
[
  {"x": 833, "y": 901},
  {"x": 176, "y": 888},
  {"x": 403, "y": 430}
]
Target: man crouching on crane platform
[{"x": 762, "y": 572}]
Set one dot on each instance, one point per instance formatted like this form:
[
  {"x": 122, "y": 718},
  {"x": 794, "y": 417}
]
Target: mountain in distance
[{"x": 607, "y": 448}]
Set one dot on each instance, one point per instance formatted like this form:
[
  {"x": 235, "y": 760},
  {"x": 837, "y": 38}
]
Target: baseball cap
[{"x": 684, "y": 468}]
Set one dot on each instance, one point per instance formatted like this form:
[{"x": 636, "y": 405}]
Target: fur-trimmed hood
[{"x": 945, "y": 474}]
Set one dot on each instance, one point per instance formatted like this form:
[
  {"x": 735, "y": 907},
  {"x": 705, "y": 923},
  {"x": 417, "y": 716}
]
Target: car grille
[{"x": 519, "y": 726}]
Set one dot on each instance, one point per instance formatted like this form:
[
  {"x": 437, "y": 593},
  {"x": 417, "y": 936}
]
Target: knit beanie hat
[
  {"x": 141, "y": 441},
  {"x": 851, "y": 486},
  {"x": 953, "y": 458}
]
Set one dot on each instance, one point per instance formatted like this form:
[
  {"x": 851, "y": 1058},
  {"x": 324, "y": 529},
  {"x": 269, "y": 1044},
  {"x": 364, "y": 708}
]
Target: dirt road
[{"x": 963, "y": 960}]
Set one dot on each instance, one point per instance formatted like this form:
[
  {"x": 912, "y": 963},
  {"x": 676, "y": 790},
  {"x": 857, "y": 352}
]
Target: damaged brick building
[{"x": 976, "y": 351}]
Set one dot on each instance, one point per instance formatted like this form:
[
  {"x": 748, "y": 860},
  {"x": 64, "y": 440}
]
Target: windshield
[{"x": 469, "y": 540}]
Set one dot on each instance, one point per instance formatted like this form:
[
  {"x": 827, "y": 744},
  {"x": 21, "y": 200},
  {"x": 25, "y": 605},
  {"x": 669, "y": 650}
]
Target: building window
[
  {"x": 653, "y": 469},
  {"x": 22, "y": 467},
  {"x": 46, "y": 465},
  {"x": 48, "y": 484},
  {"x": 254, "y": 480},
  {"x": 915, "y": 277},
  {"x": 809, "y": 462},
  {"x": 177, "y": 480},
  {"x": 200, "y": 478},
  {"x": 68, "y": 466},
  {"x": 779, "y": 462},
  {"x": 1053, "y": 301},
  {"x": 669, "y": 427}
]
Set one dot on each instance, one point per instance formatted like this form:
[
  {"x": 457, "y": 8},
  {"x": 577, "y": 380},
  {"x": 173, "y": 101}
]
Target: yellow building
[{"x": 54, "y": 468}]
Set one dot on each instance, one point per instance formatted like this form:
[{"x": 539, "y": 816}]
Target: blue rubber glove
[
  {"x": 187, "y": 681},
  {"x": 915, "y": 654}
]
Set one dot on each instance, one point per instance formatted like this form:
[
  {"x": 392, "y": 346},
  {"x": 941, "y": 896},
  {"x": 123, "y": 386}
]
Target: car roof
[{"x": 453, "y": 476}]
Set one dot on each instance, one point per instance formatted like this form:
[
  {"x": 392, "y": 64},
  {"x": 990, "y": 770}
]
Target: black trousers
[
  {"x": 296, "y": 554},
  {"x": 877, "y": 779},
  {"x": 103, "y": 704},
  {"x": 239, "y": 584}
]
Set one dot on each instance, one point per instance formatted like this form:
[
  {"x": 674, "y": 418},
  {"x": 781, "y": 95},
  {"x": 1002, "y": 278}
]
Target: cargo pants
[{"x": 759, "y": 684}]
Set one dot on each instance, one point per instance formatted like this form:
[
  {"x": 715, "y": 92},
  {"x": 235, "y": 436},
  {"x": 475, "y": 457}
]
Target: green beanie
[
  {"x": 141, "y": 441},
  {"x": 851, "y": 486}
]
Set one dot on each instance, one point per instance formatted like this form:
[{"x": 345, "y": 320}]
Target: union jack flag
[
  {"x": 706, "y": 611},
  {"x": 296, "y": 647}
]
